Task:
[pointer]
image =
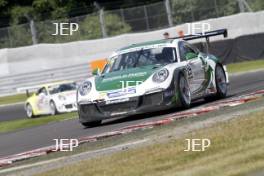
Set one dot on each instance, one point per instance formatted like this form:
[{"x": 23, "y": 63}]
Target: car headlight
[
  {"x": 62, "y": 98},
  {"x": 85, "y": 88},
  {"x": 160, "y": 75}
]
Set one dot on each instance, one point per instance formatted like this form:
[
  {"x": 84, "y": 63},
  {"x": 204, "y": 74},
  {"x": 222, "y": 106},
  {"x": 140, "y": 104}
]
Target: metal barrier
[{"x": 10, "y": 84}]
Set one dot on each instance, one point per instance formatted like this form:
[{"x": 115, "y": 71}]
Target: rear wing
[
  {"x": 205, "y": 35},
  {"x": 28, "y": 89}
]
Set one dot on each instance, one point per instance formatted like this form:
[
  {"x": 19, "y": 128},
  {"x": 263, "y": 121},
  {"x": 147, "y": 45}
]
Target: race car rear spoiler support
[{"x": 206, "y": 35}]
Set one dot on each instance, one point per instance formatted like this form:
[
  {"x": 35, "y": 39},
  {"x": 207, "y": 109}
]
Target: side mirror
[
  {"x": 190, "y": 55},
  {"x": 96, "y": 71}
]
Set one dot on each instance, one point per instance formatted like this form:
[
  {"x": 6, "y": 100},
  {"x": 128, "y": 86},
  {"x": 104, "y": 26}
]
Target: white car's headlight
[
  {"x": 160, "y": 75},
  {"x": 62, "y": 98},
  {"x": 85, "y": 88}
]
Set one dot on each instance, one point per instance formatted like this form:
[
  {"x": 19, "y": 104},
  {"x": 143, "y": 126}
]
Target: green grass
[
  {"x": 236, "y": 149},
  {"x": 245, "y": 66},
  {"x": 13, "y": 125},
  {"x": 13, "y": 99}
]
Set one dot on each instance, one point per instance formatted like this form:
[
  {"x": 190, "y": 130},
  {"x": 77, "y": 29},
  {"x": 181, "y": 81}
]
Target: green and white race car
[{"x": 152, "y": 76}]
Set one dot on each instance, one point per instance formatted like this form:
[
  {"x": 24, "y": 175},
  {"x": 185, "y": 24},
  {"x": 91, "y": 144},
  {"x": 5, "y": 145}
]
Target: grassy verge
[
  {"x": 245, "y": 66},
  {"x": 13, "y": 99},
  {"x": 8, "y": 126},
  {"x": 236, "y": 149}
]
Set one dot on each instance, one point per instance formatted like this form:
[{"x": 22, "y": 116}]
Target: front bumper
[
  {"x": 67, "y": 107},
  {"x": 95, "y": 111}
]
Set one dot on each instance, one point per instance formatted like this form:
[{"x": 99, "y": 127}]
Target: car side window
[
  {"x": 42, "y": 91},
  {"x": 186, "y": 51}
]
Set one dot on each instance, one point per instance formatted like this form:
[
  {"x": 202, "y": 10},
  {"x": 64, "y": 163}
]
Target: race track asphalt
[
  {"x": 12, "y": 112},
  {"x": 41, "y": 136}
]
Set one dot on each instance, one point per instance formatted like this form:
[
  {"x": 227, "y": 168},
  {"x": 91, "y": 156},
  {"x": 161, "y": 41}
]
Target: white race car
[
  {"x": 53, "y": 98},
  {"x": 152, "y": 76}
]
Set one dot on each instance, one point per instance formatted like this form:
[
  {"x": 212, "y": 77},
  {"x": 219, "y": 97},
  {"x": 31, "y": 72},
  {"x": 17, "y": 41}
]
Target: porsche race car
[
  {"x": 53, "y": 98},
  {"x": 152, "y": 76}
]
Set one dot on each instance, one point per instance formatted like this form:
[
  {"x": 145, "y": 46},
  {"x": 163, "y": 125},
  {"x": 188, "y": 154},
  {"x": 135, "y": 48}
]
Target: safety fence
[{"x": 107, "y": 23}]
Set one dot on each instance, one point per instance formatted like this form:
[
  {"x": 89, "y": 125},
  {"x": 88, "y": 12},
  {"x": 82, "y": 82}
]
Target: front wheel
[
  {"x": 184, "y": 91},
  {"x": 29, "y": 111},
  {"x": 53, "y": 108},
  {"x": 92, "y": 124}
]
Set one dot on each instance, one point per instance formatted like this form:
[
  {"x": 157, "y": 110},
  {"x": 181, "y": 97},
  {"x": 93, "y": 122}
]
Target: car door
[
  {"x": 43, "y": 101},
  {"x": 194, "y": 64}
]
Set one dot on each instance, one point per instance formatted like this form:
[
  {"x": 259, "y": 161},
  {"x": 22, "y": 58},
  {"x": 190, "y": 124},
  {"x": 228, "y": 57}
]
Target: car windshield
[
  {"x": 62, "y": 88},
  {"x": 140, "y": 58}
]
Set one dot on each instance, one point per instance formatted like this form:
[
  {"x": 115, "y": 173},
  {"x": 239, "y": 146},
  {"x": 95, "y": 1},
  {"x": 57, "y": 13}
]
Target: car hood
[
  {"x": 119, "y": 79},
  {"x": 69, "y": 94}
]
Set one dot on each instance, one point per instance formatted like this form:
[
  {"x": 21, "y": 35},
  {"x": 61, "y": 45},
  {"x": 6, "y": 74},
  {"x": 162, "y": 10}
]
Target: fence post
[
  {"x": 146, "y": 17},
  {"x": 33, "y": 32},
  {"x": 243, "y": 5},
  {"x": 101, "y": 19},
  {"x": 102, "y": 22},
  {"x": 9, "y": 37},
  {"x": 216, "y": 8},
  {"x": 168, "y": 11},
  {"x": 192, "y": 10},
  {"x": 32, "y": 29},
  {"x": 122, "y": 15}
]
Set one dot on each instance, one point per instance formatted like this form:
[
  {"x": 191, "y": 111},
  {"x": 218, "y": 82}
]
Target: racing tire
[
  {"x": 221, "y": 84},
  {"x": 184, "y": 91},
  {"x": 92, "y": 124},
  {"x": 53, "y": 108},
  {"x": 29, "y": 111},
  {"x": 220, "y": 81}
]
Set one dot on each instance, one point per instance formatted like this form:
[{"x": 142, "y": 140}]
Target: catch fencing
[{"x": 108, "y": 23}]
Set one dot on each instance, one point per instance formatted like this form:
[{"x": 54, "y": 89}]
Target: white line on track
[
  {"x": 71, "y": 159},
  {"x": 12, "y": 104}
]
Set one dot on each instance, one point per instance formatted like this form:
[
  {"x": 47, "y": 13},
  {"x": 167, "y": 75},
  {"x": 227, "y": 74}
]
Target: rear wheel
[
  {"x": 53, "y": 108},
  {"x": 220, "y": 81},
  {"x": 221, "y": 84},
  {"x": 184, "y": 91},
  {"x": 29, "y": 111},
  {"x": 92, "y": 124}
]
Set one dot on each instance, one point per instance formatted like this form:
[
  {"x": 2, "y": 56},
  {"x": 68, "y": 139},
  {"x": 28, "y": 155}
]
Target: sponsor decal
[
  {"x": 126, "y": 91},
  {"x": 130, "y": 75},
  {"x": 117, "y": 101}
]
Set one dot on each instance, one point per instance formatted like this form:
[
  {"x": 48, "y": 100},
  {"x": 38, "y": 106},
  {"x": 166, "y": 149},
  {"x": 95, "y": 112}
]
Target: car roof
[
  {"x": 142, "y": 44},
  {"x": 56, "y": 83}
]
